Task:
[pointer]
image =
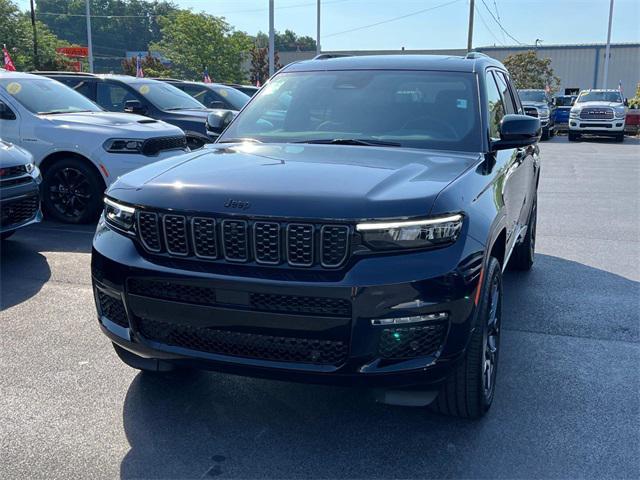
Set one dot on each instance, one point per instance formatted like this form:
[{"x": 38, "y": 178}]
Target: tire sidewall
[{"x": 96, "y": 186}]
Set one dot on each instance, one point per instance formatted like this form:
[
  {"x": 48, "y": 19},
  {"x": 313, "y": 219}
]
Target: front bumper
[
  {"x": 320, "y": 329},
  {"x": 596, "y": 127},
  {"x": 20, "y": 202}
]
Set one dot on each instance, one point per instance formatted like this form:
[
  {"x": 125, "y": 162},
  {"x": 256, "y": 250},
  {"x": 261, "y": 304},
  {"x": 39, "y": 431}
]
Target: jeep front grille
[{"x": 245, "y": 240}]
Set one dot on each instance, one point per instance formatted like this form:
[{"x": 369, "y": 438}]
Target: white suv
[
  {"x": 598, "y": 112},
  {"x": 79, "y": 148}
]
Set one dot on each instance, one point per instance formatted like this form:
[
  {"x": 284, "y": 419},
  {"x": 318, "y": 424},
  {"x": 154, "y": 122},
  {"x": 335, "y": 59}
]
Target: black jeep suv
[{"x": 350, "y": 226}]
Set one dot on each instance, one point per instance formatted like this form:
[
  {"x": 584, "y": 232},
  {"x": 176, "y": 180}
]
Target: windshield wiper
[
  {"x": 352, "y": 141},
  {"x": 58, "y": 112},
  {"x": 240, "y": 140}
]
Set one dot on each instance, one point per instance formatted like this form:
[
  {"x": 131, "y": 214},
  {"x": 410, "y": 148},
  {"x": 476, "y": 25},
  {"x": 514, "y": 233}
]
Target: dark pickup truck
[{"x": 329, "y": 238}]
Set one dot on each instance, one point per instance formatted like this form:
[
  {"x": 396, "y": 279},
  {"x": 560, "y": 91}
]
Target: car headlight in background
[
  {"x": 620, "y": 112},
  {"x": 119, "y": 216},
  {"x": 543, "y": 112},
  {"x": 123, "y": 145},
  {"x": 574, "y": 113},
  {"x": 411, "y": 234}
]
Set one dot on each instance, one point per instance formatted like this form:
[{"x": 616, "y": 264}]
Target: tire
[
  {"x": 545, "y": 135},
  {"x": 524, "y": 253},
  {"x": 620, "y": 137},
  {"x": 573, "y": 136},
  {"x": 72, "y": 191},
  {"x": 469, "y": 391},
  {"x": 141, "y": 363},
  {"x": 5, "y": 235}
]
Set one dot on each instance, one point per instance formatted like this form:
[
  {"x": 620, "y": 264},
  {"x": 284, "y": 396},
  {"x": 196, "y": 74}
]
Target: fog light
[{"x": 415, "y": 319}]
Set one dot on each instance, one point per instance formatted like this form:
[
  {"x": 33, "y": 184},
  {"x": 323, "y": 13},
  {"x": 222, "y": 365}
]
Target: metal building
[{"x": 577, "y": 66}]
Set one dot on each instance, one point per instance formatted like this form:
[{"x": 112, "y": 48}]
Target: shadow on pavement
[
  {"x": 16, "y": 260},
  {"x": 201, "y": 424}
]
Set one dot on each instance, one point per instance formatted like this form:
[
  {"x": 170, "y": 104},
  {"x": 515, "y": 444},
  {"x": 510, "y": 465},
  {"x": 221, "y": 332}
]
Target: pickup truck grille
[
  {"x": 596, "y": 113},
  {"x": 245, "y": 240}
]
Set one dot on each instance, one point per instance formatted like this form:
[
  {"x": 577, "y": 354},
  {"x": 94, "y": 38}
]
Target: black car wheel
[
  {"x": 523, "y": 253},
  {"x": 620, "y": 137},
  {"x": 573, "y": 136},
  {"x": 469, "y": 391},
  {"x": 72, "y": 191}
]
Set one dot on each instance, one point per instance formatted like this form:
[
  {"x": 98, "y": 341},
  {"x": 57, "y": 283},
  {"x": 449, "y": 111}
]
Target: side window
[
  {"x": 5, "y": 112},
  {"x": 80, "y": 85},
  {"x": 509, "y": 106},
  {"x": 112, "y": 97},
  {"x": 494, "y": 106}
]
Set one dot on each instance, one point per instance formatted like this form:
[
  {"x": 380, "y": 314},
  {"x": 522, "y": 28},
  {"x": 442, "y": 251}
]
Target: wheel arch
[{"x": 50, "y": 159}]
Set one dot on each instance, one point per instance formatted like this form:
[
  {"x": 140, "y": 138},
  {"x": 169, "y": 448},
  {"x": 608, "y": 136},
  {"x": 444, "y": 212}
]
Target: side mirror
[
  {"x": 626, "y": 102},
  {"x": 218, "y": 120},
  {"x": 517, "y": 131},
  {"x": 134, "y": 106},
  {"x": 6, "y": 113},
  {"x": 216, "y": 104}
]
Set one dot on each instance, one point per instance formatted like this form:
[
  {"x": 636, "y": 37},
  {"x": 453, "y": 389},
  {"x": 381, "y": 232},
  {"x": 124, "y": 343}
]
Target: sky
[{"x": 432, "y": 24}]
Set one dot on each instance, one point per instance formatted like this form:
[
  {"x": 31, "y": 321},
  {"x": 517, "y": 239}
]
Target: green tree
[
  {"x": 529, "y": 71},
  {"x": 635, "y": 101},
  {"x": 16, "y": 32},
  {"x": 260, "y": 64},
  {"x": 288, "y": 41},
  {"x": 193, "y": 41},
  {"x": 151, "y": 66},
  {"x": 116, "y": 25}
]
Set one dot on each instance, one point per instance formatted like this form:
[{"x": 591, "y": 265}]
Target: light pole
[
  {"x": 272, "y": 42},
  {"x": 36, "y": 63},
  {"x": 606, "y": 51},
  {"x": 89, "y": 44},
  {"x": 318, "y": 49}
]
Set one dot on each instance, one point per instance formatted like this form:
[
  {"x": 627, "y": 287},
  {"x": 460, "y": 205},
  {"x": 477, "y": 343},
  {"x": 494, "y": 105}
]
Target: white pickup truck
[{"x": 598, "y": 112}]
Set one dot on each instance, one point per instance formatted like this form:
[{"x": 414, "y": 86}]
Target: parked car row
[
  {"x": 598, "y": 112},
  {"x": 85, "y": 130}
]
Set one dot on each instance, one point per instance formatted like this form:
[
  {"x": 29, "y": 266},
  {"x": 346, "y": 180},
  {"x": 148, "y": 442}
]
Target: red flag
[
  {"x": 258, "y": 83},
  {"x": 139, "y": 72},
  {"x": 8, "y": 63}
]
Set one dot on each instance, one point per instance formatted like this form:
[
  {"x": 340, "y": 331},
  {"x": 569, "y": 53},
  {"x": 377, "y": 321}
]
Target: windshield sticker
[
  {"x": 14, "y": 88},
  {"x": 223, "y": 93},
  {"x": 144, "y": 89},
  {"x": 461, "y": 103}
]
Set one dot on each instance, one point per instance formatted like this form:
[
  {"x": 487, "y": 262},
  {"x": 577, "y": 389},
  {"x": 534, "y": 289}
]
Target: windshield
[
  {"x": 42, "y": 95},
  {"x": 168, "y": 97},
  {"x": 407, "y": 108},
  {"x": 565, "y": 101},
  {"x": 217, "y": 96},
  {"x": 599, "y": 97},
  {"x": 532, "y": 96}
]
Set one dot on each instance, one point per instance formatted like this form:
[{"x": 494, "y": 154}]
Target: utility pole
[
  {"x": 470, "y": 37},
  {"x": 606, "y": 51},
  {"x": 318, "y": 49},
  {"x": 89, "y": 44},
  {"x": 36, "y": 62},
  {"x": 272, "y": 42}
]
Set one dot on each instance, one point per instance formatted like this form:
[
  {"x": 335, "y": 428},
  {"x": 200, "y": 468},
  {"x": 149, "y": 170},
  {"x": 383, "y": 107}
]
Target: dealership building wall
[{"x": 577, "y": 66}]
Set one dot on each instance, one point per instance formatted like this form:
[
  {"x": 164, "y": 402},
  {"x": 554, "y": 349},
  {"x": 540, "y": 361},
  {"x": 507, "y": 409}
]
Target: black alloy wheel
[
  {"x": 72, "y": 191},
  {"x": 492, "y": 341}
]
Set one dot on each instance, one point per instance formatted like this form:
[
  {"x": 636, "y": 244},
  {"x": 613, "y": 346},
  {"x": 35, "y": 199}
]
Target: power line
[
  {"x": 418, "y": 12},
  {"x": 500, "y": 24},
  {"x": 297, "y": 5},
  {"x": 487, "y": 26}
]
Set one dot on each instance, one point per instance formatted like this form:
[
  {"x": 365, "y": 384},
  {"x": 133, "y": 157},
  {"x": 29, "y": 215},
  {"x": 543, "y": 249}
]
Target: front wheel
[
  {"x": 72, "y": 191},
  {"x": 573, "y": 136},
  {"x": 620, "y": 137},
  {"x": 468, "y": 392}
]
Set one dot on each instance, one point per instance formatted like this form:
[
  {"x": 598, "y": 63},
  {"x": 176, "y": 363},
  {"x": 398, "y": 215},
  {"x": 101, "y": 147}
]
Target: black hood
[{"x": 300, "y": 181}]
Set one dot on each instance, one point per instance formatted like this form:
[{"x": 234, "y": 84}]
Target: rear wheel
[
  {"x": 469, "y": 390},
  {"x": 72, "y": 191}
]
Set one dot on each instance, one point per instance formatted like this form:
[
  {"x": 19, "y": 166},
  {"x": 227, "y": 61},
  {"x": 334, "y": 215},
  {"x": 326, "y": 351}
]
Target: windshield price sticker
[
  {"x": 14, "y": 88},
  {"x": 144, "y": 89}
]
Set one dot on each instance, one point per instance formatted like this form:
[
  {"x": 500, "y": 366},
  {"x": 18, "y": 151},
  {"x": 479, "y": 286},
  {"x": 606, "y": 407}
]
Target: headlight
[
  {"x": 574, "y": 113},
  {"x": 123, "y": 145},
  {"x": 430, "y": 232},
  {"x": 543, "y": 112},
  {"x": 120, "y": 216},
  {"x": 620, "y": 112}
]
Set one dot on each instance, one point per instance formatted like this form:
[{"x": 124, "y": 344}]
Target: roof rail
[
  {"x": 60, "y": 72},
  {"x": 169, "y": 79},
  {"x": 326, "y": 56},
  {"x": 472, "y": 55}
]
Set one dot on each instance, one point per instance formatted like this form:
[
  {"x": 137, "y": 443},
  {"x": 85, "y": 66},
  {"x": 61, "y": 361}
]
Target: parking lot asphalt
[{"x": 567, "y": 400}]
